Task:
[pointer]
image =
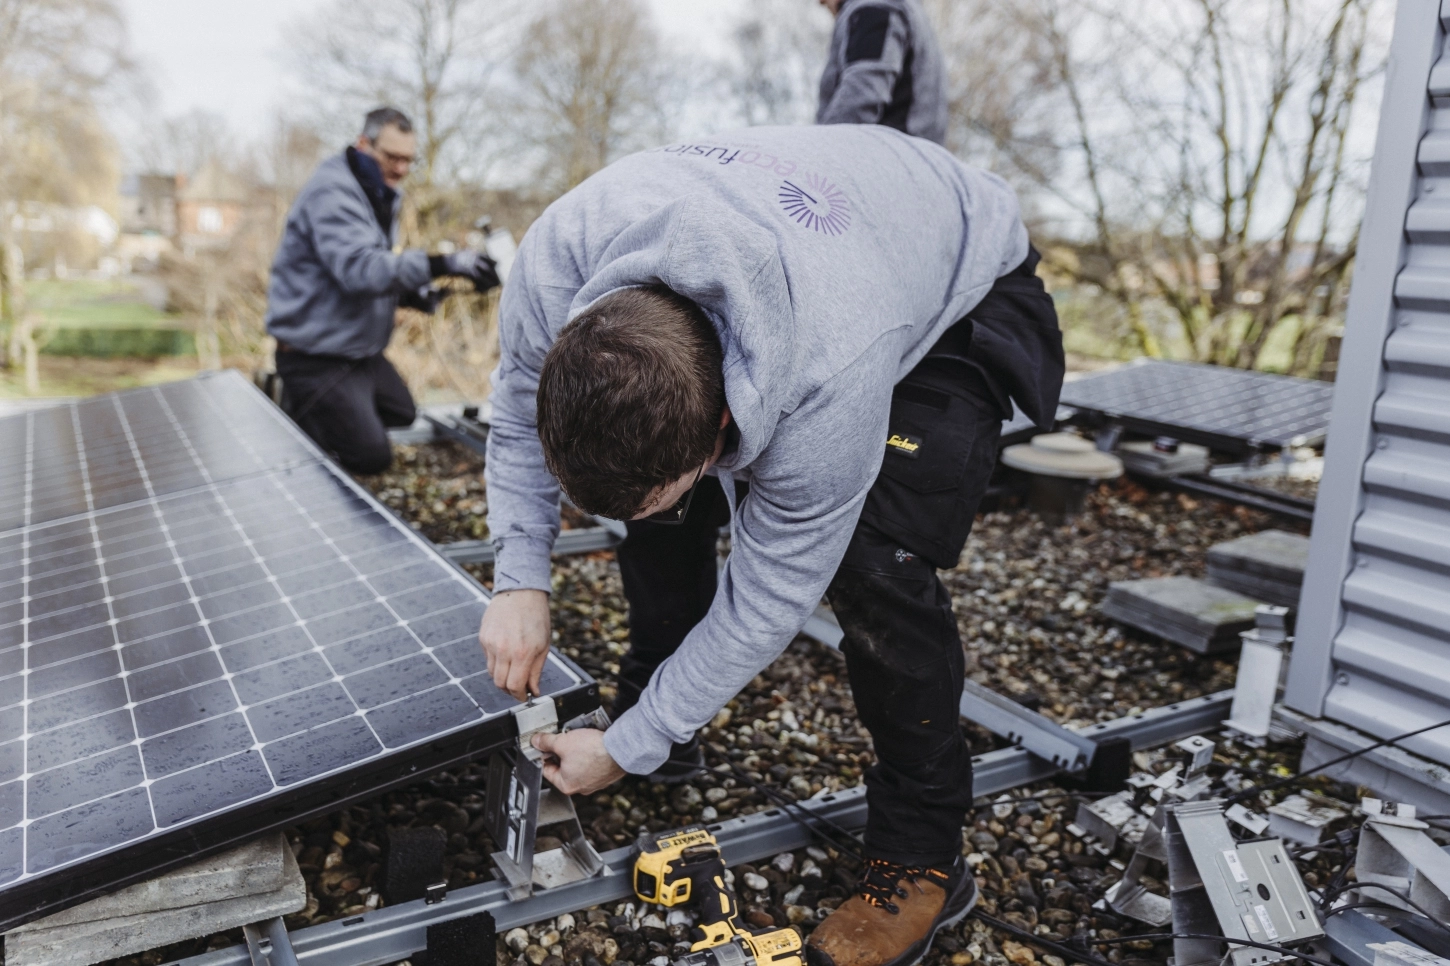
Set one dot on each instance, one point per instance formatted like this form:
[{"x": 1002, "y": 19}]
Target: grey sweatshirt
[
  {"x": 885, "y": 67},
  {"x": 335, "y": 279},
  {"x": 830, "y": 259}
]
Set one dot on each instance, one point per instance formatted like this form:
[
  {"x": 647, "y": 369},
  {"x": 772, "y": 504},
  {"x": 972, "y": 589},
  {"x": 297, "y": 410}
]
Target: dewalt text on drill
[{"x": 684, "y": 868}]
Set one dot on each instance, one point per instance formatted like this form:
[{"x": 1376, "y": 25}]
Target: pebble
[
  {"x": 564, "y": 923},
  {"x": 652, "y": 921},
  {"x": 984, "y": 841},
  {"x": 535, "y": 954},
  {"x": 796, "y": 915},
  {"x": 756, "y": 882},
  {"x": 1018, "y": 953},
  {"x": 516, "y": 939},
  {"x": 709, "y": 814},
  {"x": 783, "y": 862}
]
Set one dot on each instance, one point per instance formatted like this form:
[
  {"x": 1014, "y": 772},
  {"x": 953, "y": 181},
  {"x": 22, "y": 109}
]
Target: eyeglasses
[{"x": 675, "y": 515}]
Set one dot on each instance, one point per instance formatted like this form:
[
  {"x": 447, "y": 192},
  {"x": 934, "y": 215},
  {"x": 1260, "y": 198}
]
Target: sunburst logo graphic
[{"x": 817, "y": 204}]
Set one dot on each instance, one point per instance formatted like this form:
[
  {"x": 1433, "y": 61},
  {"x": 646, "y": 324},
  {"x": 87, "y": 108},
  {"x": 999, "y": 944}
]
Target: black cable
[
  {"x": 1333, "y": 886},
  {"x": 1253, "y": 790},
  {"x": 1156, "y": 937},
  {"x": 1069, "y": 953},
  {"x": 847, "y": 844},
  {"x": 1394, "y": 892}
]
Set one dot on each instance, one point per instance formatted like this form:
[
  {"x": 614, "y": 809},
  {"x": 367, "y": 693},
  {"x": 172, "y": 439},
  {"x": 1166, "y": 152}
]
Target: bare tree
[
  {"x": 57, "y": 60},
  {"x": 436, "y": 60},
  {"x": 183, "y": 143},
  {"x": 592, "y": 83},
  {"x": 1199, "y": 157},
  {"x": 778, "y": 51}
]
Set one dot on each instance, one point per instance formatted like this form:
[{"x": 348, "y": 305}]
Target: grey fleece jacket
[
  {"x": 335, "y": 279},
  {"x": 830, "y": 259},
  {"x": 885, "y": 67}
]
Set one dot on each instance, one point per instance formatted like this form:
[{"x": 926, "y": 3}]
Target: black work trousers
[
  {"x": 346, "y": 405},
  {"x": 903, "y": 652}
]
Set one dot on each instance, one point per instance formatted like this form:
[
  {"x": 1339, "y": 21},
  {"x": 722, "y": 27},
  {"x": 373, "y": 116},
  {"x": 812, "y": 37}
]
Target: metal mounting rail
[
  {"x": 1257, "y": 497},
  {"x": 1045, "y": 738},
  {"x": 471, "y": 432},
  {"x": 1065, "y": 749},
  {"x": 395, "y": 933}
]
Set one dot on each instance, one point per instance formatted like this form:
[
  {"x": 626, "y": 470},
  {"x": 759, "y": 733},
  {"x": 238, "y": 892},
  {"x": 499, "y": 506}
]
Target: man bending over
[{"x": 813, "y": 334}]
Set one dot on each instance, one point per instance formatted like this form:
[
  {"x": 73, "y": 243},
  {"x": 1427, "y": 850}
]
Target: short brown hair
[{"x": 630, "y": 399}]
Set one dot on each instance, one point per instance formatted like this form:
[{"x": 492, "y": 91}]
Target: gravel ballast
[{"x": 1026, "y": 597}]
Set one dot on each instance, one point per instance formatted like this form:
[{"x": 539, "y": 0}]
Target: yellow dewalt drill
[{"x": 684, "y": 867}]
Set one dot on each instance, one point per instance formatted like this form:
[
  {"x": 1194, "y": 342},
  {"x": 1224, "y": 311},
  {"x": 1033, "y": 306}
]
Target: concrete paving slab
[
  {"x": 83, "y": 939},
  {"x": 1274, "y": 554},
  {"x": 1185, "y": 610},
  {"x": 250, "y": 869}
]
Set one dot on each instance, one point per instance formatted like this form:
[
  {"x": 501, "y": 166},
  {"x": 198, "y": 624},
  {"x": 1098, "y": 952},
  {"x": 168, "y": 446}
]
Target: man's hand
[
  {"x": 474, "y": 266},
  {"x": 578, "y": 763},
  {"x": 515, "y": 639}
]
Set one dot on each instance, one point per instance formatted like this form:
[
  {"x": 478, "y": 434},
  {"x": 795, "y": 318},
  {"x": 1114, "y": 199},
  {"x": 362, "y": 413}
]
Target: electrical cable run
[{"x": 1253, "y": 790}]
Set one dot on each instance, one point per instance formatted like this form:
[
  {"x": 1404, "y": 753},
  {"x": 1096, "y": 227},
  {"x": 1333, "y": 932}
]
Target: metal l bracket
[
  {"x": 268, "y": 943},
  {"x": 1395, "y": 852},
  {"x": 1220, "y": 887},
  {"x": 518, "y": 804}
]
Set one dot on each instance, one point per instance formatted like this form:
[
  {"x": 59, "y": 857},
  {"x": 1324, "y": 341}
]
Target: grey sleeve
[
  {"x": 523, "y": 496},
  {"x": 345, "y": 237},
  {"x": 873, "y": 55},
  {"x": 806, "y": 493}
]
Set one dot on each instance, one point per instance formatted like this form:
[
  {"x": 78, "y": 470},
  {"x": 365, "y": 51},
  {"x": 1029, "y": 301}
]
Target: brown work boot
[{"x": 894, "y": 915}]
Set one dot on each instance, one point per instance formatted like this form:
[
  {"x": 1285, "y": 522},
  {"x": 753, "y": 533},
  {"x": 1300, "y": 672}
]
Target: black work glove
[
  {"x": 468, "y": 264},
  {"x": 423, "y": 299}
]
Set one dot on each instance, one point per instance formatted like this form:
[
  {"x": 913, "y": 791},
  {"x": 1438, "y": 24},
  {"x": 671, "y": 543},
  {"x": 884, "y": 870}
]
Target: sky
[{"x": 227, "y": 57}]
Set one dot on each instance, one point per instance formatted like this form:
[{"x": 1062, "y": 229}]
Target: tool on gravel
[{"x": 684, "y": 867}]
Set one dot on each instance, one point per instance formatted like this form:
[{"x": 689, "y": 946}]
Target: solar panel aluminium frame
[
  {"x": 139, "y": 858},
  {"x": 1095, "y": 412}
]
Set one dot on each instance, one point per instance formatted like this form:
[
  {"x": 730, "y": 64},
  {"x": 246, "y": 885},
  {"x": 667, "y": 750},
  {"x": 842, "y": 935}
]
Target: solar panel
[
  {"x": 208, "y": 630},
  {"x": 1226, "y": 409}
]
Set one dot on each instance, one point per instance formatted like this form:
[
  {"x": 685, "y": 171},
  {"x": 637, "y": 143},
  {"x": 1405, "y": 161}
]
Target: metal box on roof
[{"x": 1373, "y": 648}]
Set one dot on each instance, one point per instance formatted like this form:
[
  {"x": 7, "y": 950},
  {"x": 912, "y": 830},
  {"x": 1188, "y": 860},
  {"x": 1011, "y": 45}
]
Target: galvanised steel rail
[{"x": 395, "y": 933}]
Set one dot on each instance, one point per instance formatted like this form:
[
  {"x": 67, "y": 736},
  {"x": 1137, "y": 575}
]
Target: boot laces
[{"x": 881, "y": 882}]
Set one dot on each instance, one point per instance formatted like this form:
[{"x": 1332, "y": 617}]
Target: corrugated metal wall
[{"x": 1373, "y": 648}]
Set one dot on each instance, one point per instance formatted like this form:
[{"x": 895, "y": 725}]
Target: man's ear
[
  {"x": 725, "y": 417},
  {"x": 363, "y": 144}
]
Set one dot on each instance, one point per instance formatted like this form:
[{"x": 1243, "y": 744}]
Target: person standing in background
[{"x": 884, "y": 67}]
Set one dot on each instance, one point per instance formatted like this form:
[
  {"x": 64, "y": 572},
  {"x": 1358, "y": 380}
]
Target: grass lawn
[{"x": 82, "y": 303}]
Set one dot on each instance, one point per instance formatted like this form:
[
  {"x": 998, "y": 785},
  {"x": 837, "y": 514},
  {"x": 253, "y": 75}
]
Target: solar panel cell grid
[
  {"x": 1215, "y": 402},
  {"x": 198, "y": 614}
]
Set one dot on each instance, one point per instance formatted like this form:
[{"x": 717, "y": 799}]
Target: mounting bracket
[
  {"x": 519, "y": 804},
  {"x": 1395, "y": 852},
  {"x": 1240, "y": 890}
]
